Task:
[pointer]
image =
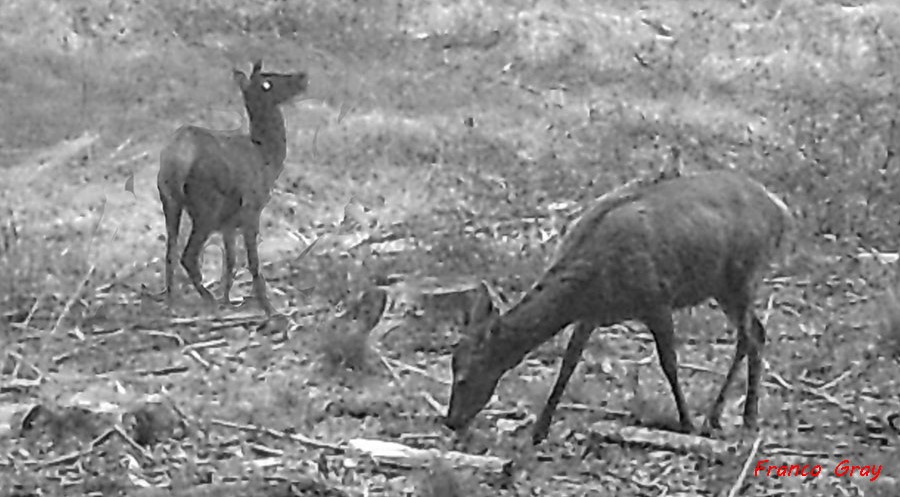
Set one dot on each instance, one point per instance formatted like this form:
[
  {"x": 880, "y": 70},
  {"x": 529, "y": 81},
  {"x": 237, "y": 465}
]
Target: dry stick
[
  {"x": 387, "y": 365},
  {"x": 196, "y": 356},
  {"x": 96, "y": 227},
  {"x": 397, "y": 454},
  {"x": 34, "y": 308},
  {"x": 120, "y": 147},
  {"x": 21, "y": 361},
  {"x": 815, "y": 392},
  {"x": 75, "y": 296},
  {"x": 615, "y": 432},
  {"x": 702, "y": 369},
  {"x": 605, "y": 410},
  {"x": 163, "y": 371},
  {"x": 107, "y": 332},
  {"x": 58, "y": 359},
  {"x": 647, "y": 484},
  {"x": 740, "y": 481},
  {"x": 768, "y": 313},
  {"x": 437, "y": 406},
  {"x": 165, "y": 334},
  {"x": 836, "y": 380},
  {"x": 209, "y": 344},
  {"x": 133, "y": 158},
  {"x": 780, "y": 381},
  {"x": 381, "y": 330},
  {"x": 306, "y": 250},
  {"x": 420, "y": 436},
  {"x": 280, "y": 434},
  {"x": 419, "y": 371},
  {"x": 130, "y": 441},
  {"x": 808, "y": 454},
  {"x": 19, "y": 384},
  {"x": 71, "y": 456},
  {"x": 266, "y": 451},
  {"x": 237, "y": 319}
]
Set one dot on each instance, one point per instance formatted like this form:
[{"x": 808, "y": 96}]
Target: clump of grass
[
  {"x": 344, "y": 342},
  {"x": 439, "y": 480},
  {"x": 33, "y": 268}
]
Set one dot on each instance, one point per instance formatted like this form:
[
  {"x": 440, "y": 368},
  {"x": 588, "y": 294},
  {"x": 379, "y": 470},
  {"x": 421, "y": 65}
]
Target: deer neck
[
  {"x": 542, "y": 313},
  {"x": 268, "y": 133}
]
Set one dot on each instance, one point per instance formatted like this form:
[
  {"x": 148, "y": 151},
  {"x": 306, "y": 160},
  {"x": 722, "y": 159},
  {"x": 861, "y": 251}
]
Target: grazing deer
[
  {"x": 639, "y": 252},
  {"x": 224, "y": 181}
]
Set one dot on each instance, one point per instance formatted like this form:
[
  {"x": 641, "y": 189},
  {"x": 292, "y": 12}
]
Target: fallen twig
[
  {"x": 743, "y": 474},
  {"x": 193, "y": 354},
  {"x": 166, "y": 334},
  {"x": 768, "y": 312},
  {"x": 107, "y": 331},
  {"x": 265, "y": 451},
  {"x": 800, "y": 453},
  {"x": 244, "y": 318},
  {"x": 19, "y": 384},
  {"x": 74, "y": 298},
  {"x": 34, "y": 309},
  {"x": 420, "y": 436},
  {"x": 130, "y": 441},
  {"x": 419, "y": 371},
  {"x": 609, "y": 431},
  {"x": 21, "y": 361},
  {"x": 831, "y": 383},
  {"x": 72, "y": 456},
  {"x": 701, "y": 369},
  {"x": 404, "y": 456},
  {"x": 815, "y": 392},
  {"x": 280, "y": 434},
  {"x": 387, "y": 365},
  {"x": 59, "y": 358},
  {"x": 437, "y": 406},
  {"x": 181, "y": 368},
  {"x": 208, "y": 344}
]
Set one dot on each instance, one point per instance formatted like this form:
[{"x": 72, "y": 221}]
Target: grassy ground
[{"x": 459, "y": 127}]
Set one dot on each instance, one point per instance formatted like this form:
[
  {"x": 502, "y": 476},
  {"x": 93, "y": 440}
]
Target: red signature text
[{"x": 843, "y": 468}]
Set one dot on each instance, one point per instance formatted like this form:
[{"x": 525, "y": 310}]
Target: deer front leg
[
  {"x": 259, "y": 283},
  {"x": 228, "y": 261},
  {"x": 579, "y": 338}
]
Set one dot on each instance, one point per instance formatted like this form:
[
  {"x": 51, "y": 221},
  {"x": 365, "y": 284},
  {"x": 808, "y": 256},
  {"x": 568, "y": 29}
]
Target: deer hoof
[
  {"x": 275, "y": 323},
  {"x": 159, "y": 296}
]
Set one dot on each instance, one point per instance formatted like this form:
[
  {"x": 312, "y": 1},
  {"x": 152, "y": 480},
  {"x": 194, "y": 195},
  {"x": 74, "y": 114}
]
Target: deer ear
[
  {"x": 241, "y": 79},
  {"x": 482, "y": 306},
  {"x": 257, "y": 66}
]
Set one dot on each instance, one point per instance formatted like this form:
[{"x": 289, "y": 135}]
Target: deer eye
[{"x": 266, "y": 85}]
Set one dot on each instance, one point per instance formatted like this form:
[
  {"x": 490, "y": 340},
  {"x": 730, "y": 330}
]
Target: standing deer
[
  {"x": 637, "y": 253},
  {"x": 224, "y": 181}
]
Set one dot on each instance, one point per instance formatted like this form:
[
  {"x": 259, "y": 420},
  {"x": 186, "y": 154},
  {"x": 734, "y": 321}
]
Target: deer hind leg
[
  {"x": 578, "y": 340},
  {"x": 756, "y": 345},
  {"x": 663, "y": 329},
  {"x": 172, "y": 211},
  {"x": 751, "y": 338},
  {"x": 259, "y": 283},
  {"x": 228, "y": 260},
  {"x": 715, "y": 413},
  {"x": 190, "y": 259}
]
